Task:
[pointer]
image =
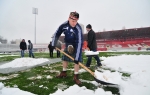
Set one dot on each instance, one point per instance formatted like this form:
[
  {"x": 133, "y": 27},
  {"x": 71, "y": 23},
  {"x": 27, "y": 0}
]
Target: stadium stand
[{"x": 122, "y": 39}]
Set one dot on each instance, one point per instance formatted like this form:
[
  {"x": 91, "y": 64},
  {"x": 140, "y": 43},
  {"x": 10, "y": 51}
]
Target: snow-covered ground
[
  {"x": 136, "y": 65},
  {"x": 137, "y": 84},
  {"x": 21, "y": 62}
]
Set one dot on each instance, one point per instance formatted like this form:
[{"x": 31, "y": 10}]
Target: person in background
[
  {"x": 58, "y": 46},
  {"x": 23, "y": 47},
  {"x": 85, "y": 45},
  {"x": 73, "y": 42},
  {"x": 30, "y": 48},
  {"x": 51, "y": 49},
  {"x": 92, "y": 46}
]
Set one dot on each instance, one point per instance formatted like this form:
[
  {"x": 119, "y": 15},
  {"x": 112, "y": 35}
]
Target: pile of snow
[
  {"x": 138, "y": 67},
  {"x": 21, "y": 62},
  {"x": 137, "y": 84},
  {"x": 12, "y": 91},
  {"x": 76, "y": 90},
  {"x": 128, "y": 63},
  {"x": 109, "y": 77}
]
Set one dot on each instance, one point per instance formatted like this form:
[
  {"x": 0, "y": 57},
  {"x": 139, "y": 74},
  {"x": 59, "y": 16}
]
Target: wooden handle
[{"x": 92, "y": 73}]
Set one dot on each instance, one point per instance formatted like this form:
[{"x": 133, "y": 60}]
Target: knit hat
[{"x": 89, "y": 26}]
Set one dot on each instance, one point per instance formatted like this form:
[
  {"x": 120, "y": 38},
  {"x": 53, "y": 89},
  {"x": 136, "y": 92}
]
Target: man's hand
[
  {"x": 70, "y": 49},
  {"x": 75, "y": 61}
]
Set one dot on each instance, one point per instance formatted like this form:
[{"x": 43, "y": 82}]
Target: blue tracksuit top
[{"x": 73, "y": 36}]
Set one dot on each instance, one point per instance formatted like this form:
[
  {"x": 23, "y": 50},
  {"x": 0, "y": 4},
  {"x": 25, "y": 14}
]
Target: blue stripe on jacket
[{"x": 80, "y": 42}]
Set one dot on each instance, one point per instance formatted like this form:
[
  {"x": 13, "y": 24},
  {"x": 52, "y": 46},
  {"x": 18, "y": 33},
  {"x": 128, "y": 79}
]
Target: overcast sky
[{"x": 17, "y": 20}]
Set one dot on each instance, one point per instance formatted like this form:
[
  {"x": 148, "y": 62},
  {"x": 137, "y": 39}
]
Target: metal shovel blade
[{"x": 102, "y": 82}]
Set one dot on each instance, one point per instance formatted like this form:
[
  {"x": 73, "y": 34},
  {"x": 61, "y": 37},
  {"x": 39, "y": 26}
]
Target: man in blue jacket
[{"x": 73, "y": 42}]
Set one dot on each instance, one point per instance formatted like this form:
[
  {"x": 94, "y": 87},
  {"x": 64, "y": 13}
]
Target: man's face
[
  {"x": 87, "y": 29},
  {"x": 72, "y": 21}
]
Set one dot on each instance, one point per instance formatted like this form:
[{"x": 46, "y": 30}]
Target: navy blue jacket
[
  {"x": 23, "y": 45},
  {"x": 73, "y": 36}
]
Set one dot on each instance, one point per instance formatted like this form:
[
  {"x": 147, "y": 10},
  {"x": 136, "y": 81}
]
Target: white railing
[{"x": 16, "y": 48}]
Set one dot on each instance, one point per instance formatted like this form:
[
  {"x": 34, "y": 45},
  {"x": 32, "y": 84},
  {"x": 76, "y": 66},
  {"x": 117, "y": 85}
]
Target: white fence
[
  {"x": 16, "y": 48},
  {"x": 128, "y": 49},
  {"x": 9, "y": 48}
]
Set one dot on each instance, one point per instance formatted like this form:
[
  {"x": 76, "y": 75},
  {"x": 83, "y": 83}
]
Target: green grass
[
  {"x": 46, "y": 55},
  {"x": 32, "y": 85},
  {"x": 49, "y": 85},
  {"x": 126, "y": 74},
  {"x": 37, "y": 55},
  {"x": 8, "y": 58},
  {"x": 28, "y": 79}
]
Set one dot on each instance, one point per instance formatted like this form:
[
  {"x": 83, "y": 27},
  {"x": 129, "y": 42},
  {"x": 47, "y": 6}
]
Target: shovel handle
[{"x": 92, "y": 73}]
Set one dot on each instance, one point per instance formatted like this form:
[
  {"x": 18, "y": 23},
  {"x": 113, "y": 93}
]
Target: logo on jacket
[
  {"x": 72, "y": 32},
  {"x": 66, "y": 28}
]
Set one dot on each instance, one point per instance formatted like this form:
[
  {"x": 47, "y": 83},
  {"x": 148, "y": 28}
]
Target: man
[
  {"x": 30, "y": 47},
  {"x": 23, "y": 47},
  {"x": 51, "y": 49},
  {"x": 73, "y": 42},
  {"x": 92, "y": 46},
  {"x": 58, "y": 46}
]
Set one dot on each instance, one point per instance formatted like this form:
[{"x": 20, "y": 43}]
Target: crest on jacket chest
[{"x": 72, "y": 32}]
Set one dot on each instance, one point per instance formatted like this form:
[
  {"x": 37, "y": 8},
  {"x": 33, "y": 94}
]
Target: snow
[
  {"x": 14, "y": 91},
  {"x": 76, "y": 90},
  {"x": 1, "y": 85},
  {"x": 110, "y": 77},
  {"x": 138, "y": 67},
  {"x": 91, "y": 53},
  {"x": 128, "y": 63},
  {"x": 137, "y": 84},
  {"x": 21, "y": 62}
]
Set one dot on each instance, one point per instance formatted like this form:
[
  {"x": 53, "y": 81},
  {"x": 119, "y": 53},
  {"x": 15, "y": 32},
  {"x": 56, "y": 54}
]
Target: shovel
[{"x": 92, "y": 73}]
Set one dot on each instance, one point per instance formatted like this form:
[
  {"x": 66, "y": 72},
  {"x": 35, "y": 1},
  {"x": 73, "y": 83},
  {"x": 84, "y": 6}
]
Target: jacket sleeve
[
  {"x": 79, "y": 43},
  {"x": 57, "y": 34},
  {"x": 90, "y": 38}
]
